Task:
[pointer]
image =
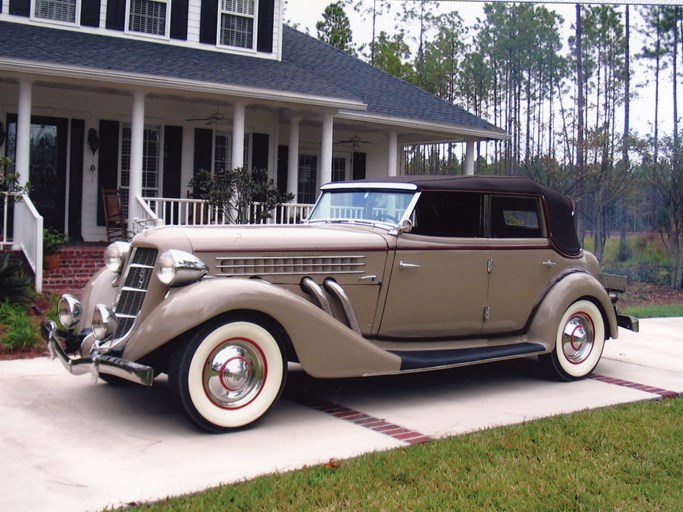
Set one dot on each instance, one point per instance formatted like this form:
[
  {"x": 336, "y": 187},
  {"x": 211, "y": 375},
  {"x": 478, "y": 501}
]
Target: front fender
[
  {"x": 324, "y": 346},
  {"x": 573, "y": 286},
  {"x": 99, "y": 290}
]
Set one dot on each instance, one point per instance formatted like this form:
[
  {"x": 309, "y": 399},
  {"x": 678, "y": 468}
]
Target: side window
[
  {"x": 449, "y": 214},
  {"x": 515, "y": 217}
]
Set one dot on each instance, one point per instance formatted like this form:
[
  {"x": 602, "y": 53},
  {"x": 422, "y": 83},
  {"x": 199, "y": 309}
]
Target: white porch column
[
  {"x": 23, "y": 151},
  {"x": 293, "y": 157},
  {"x": 326, "y": 149},
  {"x": 392, "y": 154},
  {"x": 469, "y": 157},
  {"x": 137, "y": 135},
  {"x": 238, "y": 122},
  {"x": 22, "y": 163}
]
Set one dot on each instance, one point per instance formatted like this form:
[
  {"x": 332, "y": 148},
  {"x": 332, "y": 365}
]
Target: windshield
[{"x": 387, "y": 206}]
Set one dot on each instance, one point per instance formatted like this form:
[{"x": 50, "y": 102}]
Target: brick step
[{"x": 79, "y": 262}]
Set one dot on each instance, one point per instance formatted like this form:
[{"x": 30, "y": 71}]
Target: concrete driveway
[{"x": 68, "y": 445}]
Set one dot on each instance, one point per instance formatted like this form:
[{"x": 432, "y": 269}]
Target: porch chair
[{"x": 114, "y": 218}]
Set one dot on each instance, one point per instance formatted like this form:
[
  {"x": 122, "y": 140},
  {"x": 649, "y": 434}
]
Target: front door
[{"x": 48, "y": 165}]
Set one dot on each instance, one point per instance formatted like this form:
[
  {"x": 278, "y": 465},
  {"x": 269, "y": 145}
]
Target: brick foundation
[{"x": 79, "y": 262}]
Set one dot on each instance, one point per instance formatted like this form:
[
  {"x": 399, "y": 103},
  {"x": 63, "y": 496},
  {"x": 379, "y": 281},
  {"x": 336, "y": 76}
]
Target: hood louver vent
[{"x": 293, "y": 265}]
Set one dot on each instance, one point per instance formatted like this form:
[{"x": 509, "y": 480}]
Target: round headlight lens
[
  {"x": 177, "y": 268},
  {"x": 69, "y": 310},
  {"x": 103, "y": 322},
  {"x": 115, "y": 255}
]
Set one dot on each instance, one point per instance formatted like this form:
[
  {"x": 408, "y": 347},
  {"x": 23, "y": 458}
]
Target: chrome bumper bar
[
  {"x": 96, "y": 363},
  {"x": 628, "y": 322}
]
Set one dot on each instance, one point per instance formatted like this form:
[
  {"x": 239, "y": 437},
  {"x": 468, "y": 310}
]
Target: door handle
[{"x": 402, "y": 265}]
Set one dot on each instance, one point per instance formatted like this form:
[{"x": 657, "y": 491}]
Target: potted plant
[{"x": 53, "y": 240}]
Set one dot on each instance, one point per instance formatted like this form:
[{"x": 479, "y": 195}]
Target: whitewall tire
[
  {"x": 229, "y": 375},
  {"x": 579, "y": 342}
]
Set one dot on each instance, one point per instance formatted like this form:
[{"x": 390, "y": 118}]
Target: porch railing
[
  {"x": 188, "y": 212},
  {"x": 5, "y": 200},
  {"x": 28, "y": 235}
]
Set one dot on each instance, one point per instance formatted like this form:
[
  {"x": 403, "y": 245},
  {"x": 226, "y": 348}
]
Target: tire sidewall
[
  {"x": 566, "y": 369},
  {"x": 188, "y": 375}
]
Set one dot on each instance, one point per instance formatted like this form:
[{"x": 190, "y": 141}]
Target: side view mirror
[{"x": 405, "y": 226}]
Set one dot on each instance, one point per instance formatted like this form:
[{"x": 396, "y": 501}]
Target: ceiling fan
[
  {"x": 355, "y": 141},
  {"x": 216, "y": 117}
]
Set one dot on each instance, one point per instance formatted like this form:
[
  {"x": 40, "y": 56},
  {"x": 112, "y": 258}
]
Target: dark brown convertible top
[{"x": 561, "y": 228}]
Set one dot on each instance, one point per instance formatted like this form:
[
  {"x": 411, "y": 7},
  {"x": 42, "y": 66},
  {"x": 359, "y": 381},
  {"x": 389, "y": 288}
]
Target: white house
[{"x": 138, "y": 94}]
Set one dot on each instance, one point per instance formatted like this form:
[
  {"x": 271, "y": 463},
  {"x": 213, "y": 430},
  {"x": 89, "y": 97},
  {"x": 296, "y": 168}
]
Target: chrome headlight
[
  {"x": 177, "y": 268},
  {"x": 69, "y": 310},
  {"x": 103, "y": 322},
  {"x": 115, "y": 255}
]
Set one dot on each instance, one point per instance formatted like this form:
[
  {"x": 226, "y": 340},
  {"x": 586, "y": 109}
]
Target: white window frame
[
  {"x": 226, "y": 12},
  {"x": 228, "y": 151},
  {"x": 124, "y": 155},
  {"x": 167, "y": 21},
  {"x": 75, "y": 22}
]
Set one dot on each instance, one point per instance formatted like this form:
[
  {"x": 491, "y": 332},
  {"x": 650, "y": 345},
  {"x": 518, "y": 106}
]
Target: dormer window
[
  {"x": 237, "y": 23},
  {"x": 148, "y": 17},
  {"x": 56, "y": 10}
]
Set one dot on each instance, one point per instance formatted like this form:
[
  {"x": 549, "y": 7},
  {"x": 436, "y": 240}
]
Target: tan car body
[
  {"x": 324, "y": 345},
  {"x": 347, "y": 297}
]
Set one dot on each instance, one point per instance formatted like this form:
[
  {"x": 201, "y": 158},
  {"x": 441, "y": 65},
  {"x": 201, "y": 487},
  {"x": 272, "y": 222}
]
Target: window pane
[
  {"x": 148, "y": 17},
  {"x": 151, "y": 155},
  {"x": 237, "y": 31},
  {"x": 308, "y": 170},
  {"x": 239, "y": 6},
  {"x": 515, "y": 217},
  {"x": 58, "y": 10},
  {"x": 338, "y": 169}
]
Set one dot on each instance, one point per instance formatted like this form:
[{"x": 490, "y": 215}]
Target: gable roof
[
  {"x": 311, "y": 72},
  {"x": 385, "y": 95}
]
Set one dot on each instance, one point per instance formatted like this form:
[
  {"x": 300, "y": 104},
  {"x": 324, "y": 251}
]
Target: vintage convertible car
[{"x": 384, "y": 277}]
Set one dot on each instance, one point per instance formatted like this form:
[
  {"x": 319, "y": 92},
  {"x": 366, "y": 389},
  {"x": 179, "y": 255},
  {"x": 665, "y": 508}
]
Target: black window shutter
[
  {"x": 116, "y": 14},
  {"x": 107, "y": 162},
  {"x": 359, "y": 166},
  {"x": 266, "y": 17},
  {"x": 90, "y": 13},
  {"x": 179, "y": 9},
  {"x": 173, "y": 153},
  {"x": 20, "y": 7},
  {"x": 203, "y": 143},
  {"x": 282, "y": 165},
  {"x": 259, "y": 151},
  {"x": 208, "y": 22}
]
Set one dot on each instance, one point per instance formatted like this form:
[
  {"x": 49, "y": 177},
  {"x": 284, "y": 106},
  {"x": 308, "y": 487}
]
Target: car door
[
  {"x": 522, "y": 262},
  {"x": 439, "y": 279}
]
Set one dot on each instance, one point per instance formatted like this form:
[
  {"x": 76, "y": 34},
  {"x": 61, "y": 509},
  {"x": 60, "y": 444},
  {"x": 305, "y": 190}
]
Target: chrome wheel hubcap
[
  {"x": 578, "y": 338},
  {"x": 234, "y": 374}
]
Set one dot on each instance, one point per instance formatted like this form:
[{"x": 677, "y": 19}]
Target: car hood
[{"x": 258, "y": 238}]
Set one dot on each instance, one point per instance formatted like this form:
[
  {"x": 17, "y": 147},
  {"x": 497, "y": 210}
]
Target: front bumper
[{"x": 96, "y": 363}]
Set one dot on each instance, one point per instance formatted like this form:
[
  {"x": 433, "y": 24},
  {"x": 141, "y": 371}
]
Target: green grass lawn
[{"x": 625, "y": 458}]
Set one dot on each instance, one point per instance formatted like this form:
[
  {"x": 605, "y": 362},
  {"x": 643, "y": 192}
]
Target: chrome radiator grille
[
  {"x": 289, "y": 265},
  {"x": 134, "y": 289}
]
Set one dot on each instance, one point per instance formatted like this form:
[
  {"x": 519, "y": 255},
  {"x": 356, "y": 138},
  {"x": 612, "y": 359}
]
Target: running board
[{"x": 422, "y": 360}]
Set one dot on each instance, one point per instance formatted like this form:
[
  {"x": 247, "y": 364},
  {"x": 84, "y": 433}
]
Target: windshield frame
[{"x": 397, "y": 188}]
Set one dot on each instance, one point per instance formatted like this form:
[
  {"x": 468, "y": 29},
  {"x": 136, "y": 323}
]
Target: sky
[{"x": 307, "y": 12}]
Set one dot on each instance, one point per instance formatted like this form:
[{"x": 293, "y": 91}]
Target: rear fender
[
  {"x": 573, "y": 287},
  {"x": 324, "y": 346}
]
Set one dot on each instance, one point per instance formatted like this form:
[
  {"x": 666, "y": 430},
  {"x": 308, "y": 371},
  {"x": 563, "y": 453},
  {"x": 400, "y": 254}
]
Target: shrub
[
  {"x": 14, "y": 285},
  {"x": 18, "y": 330}
]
